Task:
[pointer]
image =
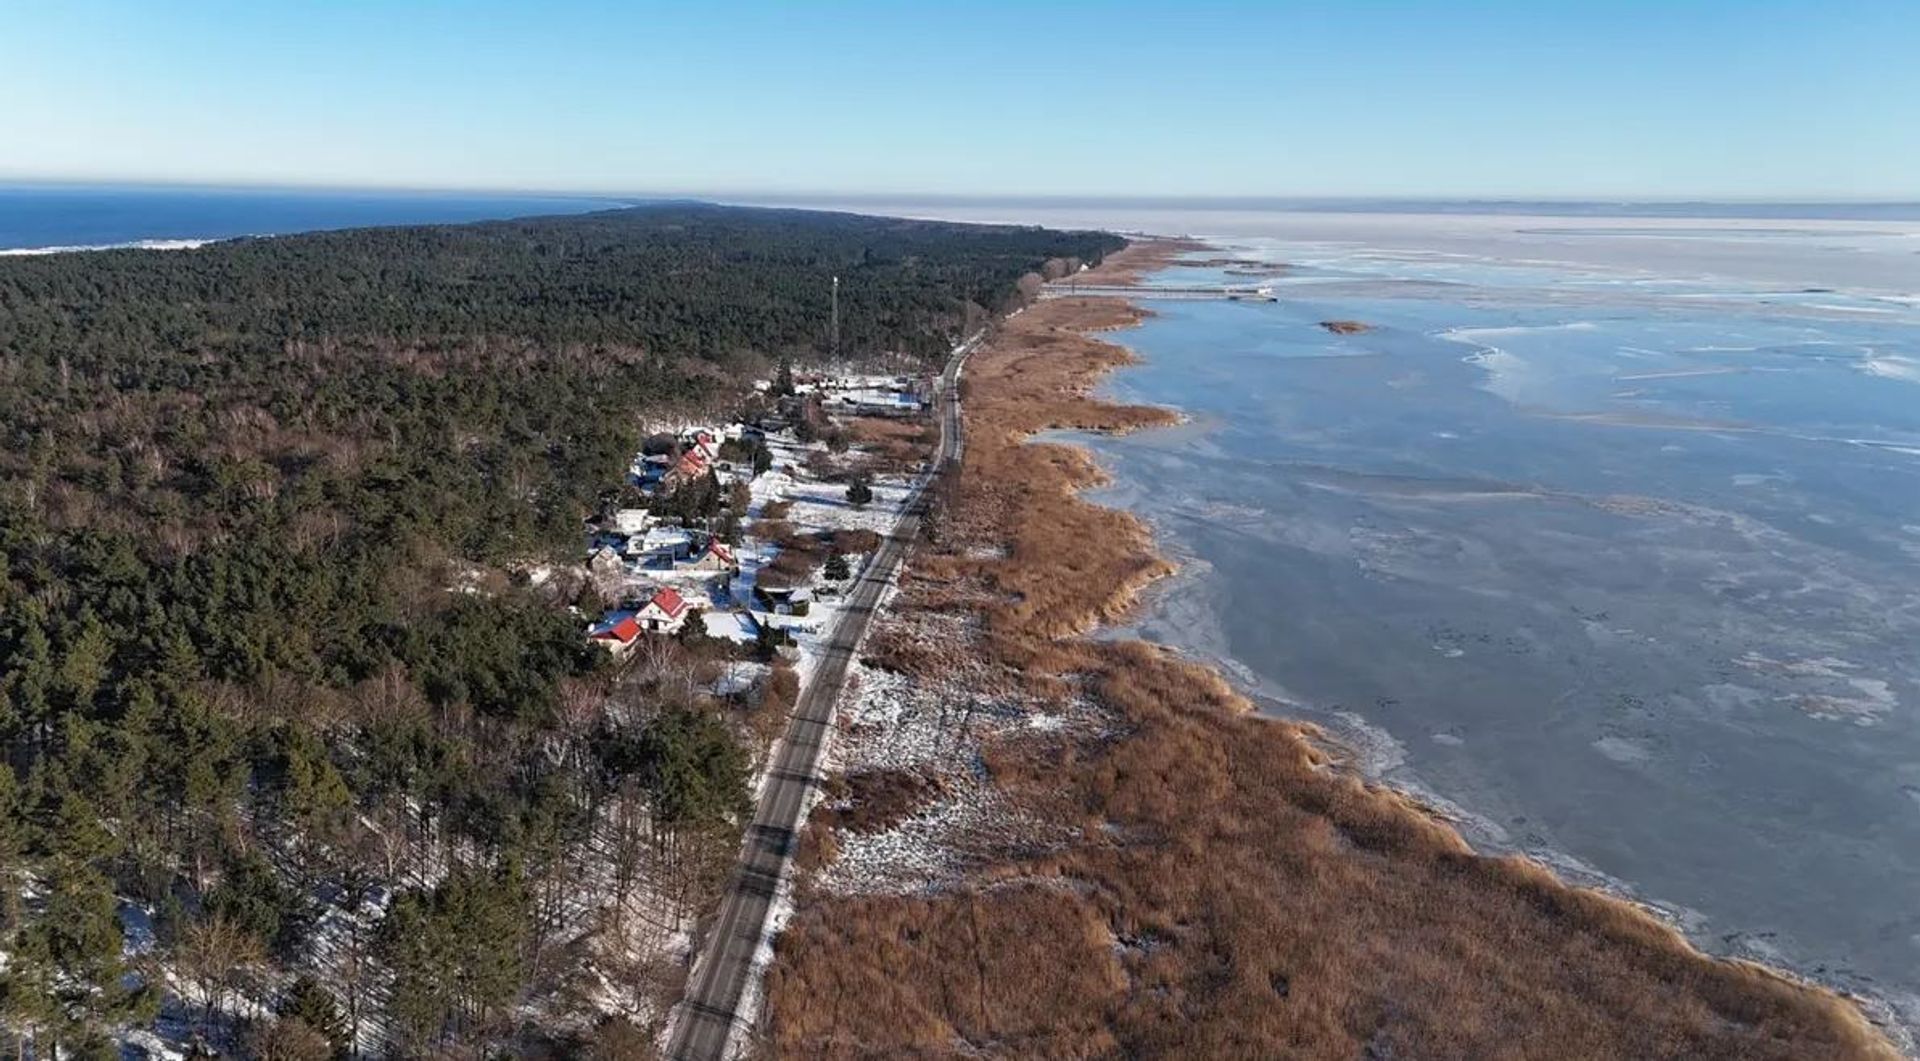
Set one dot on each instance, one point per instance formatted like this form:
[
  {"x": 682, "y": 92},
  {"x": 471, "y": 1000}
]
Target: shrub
[{"x": 855, "y": 541}]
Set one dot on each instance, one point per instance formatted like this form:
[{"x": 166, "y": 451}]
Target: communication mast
[{"x": 835, "y": 338}]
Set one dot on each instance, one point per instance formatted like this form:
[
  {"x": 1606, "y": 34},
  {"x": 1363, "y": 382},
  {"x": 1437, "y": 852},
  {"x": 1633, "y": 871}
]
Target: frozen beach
[{"x": 1615, "y": 561}]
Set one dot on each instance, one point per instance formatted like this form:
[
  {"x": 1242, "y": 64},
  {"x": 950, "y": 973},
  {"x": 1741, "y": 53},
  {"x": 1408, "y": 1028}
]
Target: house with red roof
[
  {"x": 665, "y": 612},
  {"x": 691, "y": 466},
  {"x": 617, "y": 633},
  {"x": 717, "y": 556},
  {"x": 704, "y": 443}
]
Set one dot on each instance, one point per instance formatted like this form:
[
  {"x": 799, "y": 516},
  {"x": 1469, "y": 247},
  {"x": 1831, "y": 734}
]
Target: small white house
[
  {"x": 631, "y": 521},
  {"x": 660, "y": 545},
  {"x": 717, "y": 556},
  {"x": 665, "y": 612}
]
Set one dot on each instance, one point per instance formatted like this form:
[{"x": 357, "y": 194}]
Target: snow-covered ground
[
  {"x": 936, "y": 729},
  {"x": 732, "y": 626},
  {"x": 738, "y": 677},
  {"x": 814, "y": 506},
  {"x": 824, "y": 506}
]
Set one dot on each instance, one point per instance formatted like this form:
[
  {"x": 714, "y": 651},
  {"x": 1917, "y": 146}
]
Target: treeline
[
  {"x": 259, "y": 676},
  {"x": 702, "y": 280}
]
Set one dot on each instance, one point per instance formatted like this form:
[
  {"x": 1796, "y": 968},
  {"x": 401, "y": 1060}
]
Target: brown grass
[
  {"x": 1231, "y": 893},
  {"x": 1127, "y": 265},
  {"x": 1060, "y": 577},
  {"x": 894, "y": 444},
  {"x": 793, "y": 565},
  {"x": 873, "y": 800},
  {"x": 855, "y": 540}
]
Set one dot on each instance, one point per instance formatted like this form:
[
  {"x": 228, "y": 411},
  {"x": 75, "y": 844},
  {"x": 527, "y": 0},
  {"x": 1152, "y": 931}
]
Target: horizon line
[{"x": 951, "y": 198}]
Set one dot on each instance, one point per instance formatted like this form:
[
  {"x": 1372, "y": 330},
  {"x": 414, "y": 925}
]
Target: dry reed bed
[{"x": 1230, "y": 893}]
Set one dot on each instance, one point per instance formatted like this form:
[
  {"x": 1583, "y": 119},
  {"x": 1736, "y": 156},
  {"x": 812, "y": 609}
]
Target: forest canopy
[{"x": 235, "y": 671}]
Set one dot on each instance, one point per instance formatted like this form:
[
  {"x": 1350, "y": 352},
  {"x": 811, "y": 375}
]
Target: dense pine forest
[{"x": 281, "y": 723}]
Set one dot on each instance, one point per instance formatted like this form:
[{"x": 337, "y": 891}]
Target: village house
[
  {"x": 665, "y": 612},
  {"x": 689, "y": 468},
  {"x": 784, "y": 600},
  {"x": 874, "y": 403},
  {"x": 884, "y": 396},
  {"x": 703, "y": 442},
  {"x": 616, "y": 634},
  {"x": 649, "y": 469},
  {"x": 660, "y": 546},
  {"x": 631, "y": 521},
  {"x": 599, "y": 540},
  {"x": 717, "y": 556},
  {"x": 660, "y": 611}
]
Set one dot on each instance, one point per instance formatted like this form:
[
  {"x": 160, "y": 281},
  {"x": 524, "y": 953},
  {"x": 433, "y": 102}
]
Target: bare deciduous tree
[{"x": 217, "y": 958}]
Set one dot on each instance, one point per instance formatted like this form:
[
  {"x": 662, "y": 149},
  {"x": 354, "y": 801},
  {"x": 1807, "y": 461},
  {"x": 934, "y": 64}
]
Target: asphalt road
[{"x": 704, "y": 1023}]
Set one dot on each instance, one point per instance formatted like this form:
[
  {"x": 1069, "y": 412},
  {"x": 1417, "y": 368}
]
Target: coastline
[
  {"x": 1376, "y": 754},
  {"x": 1346, "y": 915},
  {"x": 1175, "y": 613},
  {"x": 130, "y": 245}
]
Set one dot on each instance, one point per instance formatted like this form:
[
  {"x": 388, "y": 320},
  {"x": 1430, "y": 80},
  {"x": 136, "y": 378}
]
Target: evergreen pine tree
[
  {"x": 836, "y": 569},
  {"x": 314, "y": 1006}
]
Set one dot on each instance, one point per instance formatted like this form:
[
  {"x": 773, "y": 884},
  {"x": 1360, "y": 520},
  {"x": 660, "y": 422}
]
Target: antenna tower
[{"x": 836, "y": 317}]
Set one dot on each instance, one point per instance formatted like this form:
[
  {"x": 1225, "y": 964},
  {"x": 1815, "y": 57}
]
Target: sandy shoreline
[
  {"x": 1348, "y": 919},
  {"x": 130, "y": 245}
]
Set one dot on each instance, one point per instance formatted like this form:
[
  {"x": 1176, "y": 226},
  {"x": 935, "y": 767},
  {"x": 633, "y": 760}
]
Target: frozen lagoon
[{"x": 1617, "y": 559}]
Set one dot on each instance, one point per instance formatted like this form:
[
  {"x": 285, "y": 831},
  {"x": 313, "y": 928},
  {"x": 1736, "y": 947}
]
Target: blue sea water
[
  {"x": 36, "y": 216},
  {"x": 1617, "y": 560}
]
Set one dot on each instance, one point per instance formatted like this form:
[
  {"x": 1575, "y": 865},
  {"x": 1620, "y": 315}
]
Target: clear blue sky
[{"x": 1746, "y": 98}]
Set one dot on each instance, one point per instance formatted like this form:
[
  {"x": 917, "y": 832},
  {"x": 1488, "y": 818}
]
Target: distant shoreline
[
  {"x": 39, "y": 219},
  {"x": 1732, "y": 209},
  {"x": 130, "y": 245}
]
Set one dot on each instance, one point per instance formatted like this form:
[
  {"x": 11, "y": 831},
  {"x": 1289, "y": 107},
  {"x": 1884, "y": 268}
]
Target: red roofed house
[
  {"x": 717, "y": 556},
  {"x": 665, "y": 612},
  {"x": 689, "y": 467},
  {"x": 618, "y": 635}
]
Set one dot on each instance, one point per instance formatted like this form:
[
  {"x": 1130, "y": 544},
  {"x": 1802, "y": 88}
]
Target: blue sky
[{"x": 1625, "y": 99}]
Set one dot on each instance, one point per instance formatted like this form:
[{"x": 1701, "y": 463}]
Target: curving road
[{"x": 705, "y": 1023}]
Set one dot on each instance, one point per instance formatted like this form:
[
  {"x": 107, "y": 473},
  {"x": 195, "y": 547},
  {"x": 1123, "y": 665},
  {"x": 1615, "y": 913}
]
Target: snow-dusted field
[
  {"x": 937, "y": 728},
  {"x": 824, "y": 506}
]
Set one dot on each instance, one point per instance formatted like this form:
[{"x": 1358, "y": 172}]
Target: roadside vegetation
[{"x": 1208, "y": 883}]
